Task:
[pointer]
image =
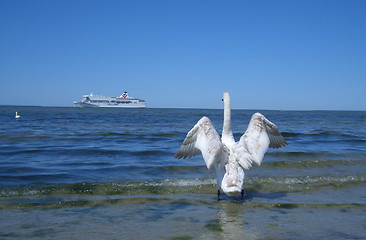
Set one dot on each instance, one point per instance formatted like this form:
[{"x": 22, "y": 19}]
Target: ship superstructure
[{"x": 123, "y": 101}]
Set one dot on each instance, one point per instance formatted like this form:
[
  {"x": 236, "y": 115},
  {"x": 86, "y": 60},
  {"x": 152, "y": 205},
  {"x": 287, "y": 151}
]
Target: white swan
[
  {"x": 228, "y": 157},
  {"x": 16, "y": 115}
]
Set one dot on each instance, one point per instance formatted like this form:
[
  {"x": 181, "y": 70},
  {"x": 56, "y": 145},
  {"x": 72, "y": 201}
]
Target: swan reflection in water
[{"x": 230, "y": 223}]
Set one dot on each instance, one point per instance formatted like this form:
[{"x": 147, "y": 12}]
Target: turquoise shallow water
[{"x": 71, "y": 173}]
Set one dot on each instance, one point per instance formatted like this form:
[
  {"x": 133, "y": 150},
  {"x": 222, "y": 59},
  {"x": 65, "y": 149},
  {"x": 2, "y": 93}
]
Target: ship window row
[
  {"x": 99, "y": 101},
  {"x": 106, "y": 101}
]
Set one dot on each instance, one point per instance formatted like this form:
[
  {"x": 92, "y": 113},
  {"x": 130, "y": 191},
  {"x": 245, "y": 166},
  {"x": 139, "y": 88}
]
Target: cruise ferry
[{"x": 123, "y": 101}]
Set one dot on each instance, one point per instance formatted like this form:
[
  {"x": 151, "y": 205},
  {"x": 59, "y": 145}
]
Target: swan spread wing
[
  {"x": 260, "y": 135},
  {"x": 202, "y": 138}
]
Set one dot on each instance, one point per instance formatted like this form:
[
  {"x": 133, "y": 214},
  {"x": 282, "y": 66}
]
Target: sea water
[{"x": 93, "y": 173}]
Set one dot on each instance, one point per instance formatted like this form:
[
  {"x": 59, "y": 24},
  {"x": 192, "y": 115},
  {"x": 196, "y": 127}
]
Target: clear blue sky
[{"x": 295, "y": 55}]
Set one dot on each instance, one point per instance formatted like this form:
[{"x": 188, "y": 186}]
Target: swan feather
[
  {"x": 202, "y": 138},
  {"x": 260, "y": 134}
]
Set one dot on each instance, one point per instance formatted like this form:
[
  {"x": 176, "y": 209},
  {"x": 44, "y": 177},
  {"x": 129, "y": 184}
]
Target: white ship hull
[
  {"x": 131, "y": 105},
  {"x": 124, "y": 101}
]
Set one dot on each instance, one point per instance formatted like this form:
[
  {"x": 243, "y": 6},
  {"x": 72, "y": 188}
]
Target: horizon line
[{"x": 193, "y": 108}]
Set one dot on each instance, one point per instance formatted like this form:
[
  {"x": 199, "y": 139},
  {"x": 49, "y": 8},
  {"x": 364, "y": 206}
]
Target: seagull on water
[
  {"x": 227, "y": 157},
  {"x": 16, "y": 115}
]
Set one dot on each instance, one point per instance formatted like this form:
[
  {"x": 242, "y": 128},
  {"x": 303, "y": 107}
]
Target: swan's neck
[{"x": 227, "y": 135}]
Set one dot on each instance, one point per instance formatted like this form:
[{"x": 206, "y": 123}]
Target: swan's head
[{"x": 225, "y": 96}]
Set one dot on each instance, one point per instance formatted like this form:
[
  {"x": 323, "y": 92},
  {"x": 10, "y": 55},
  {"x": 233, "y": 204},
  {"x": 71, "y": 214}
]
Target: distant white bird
[
  {"x": 16, "y": 115},
  {"x": 230, "y": 158}
]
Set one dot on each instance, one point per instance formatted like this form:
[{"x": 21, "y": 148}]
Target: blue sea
[{"x": 93, "y": 173}]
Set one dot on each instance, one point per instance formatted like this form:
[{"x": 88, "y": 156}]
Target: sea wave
[
  {"x": 92, "y": 201},
  {"x": 179, "y": 186},
  {"x": 318, "y": 134},
  {"x": 313, "y": 163},
  {"x": 87, "y": 151}
]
